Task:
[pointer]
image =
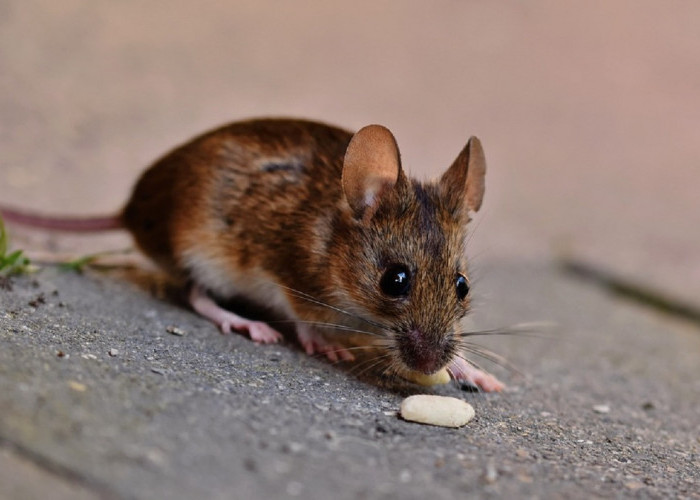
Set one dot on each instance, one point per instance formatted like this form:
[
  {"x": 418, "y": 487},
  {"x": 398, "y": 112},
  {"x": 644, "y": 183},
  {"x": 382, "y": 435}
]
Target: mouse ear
[
  {"x": 464, "y": 180},
  {"x": 370, "y": 169}
]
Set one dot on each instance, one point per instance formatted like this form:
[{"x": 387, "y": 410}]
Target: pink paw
[
  {"x": 258, "y": 331},
  {"x": 333, "y": 352},
  {"x": 465, "y": 372},
  {"x": 314, "y": 343},
  {"x": 226, "y": 320}
]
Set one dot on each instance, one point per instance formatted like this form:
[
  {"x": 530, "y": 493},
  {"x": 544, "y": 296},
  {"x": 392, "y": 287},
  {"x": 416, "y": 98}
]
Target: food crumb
[
  {"x": 77, "y": 386},
  {"x": 601, "y": 408},
  {"x": 174, "y": 330}
]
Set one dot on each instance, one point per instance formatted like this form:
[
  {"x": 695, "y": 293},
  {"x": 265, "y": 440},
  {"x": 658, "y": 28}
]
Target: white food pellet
[{"x": 436, "y": 410}]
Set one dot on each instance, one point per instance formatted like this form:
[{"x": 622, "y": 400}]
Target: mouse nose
[{"x": 422, "y": 352}]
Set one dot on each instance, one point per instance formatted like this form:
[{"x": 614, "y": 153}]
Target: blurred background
[{"x": 589, "y": 112}]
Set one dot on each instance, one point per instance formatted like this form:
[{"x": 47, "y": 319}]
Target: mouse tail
[{"x": 68, "y": 224}]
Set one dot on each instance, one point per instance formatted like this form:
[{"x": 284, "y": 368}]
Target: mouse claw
[{"x": 462, "y": 371}]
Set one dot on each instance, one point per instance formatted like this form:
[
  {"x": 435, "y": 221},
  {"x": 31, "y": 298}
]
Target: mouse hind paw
[{"x": 227, "y": 321}]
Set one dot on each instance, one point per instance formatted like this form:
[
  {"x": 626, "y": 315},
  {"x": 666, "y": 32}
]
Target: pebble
[
  {"x": 491, "y": 474},
  {"x": 442, "y": 411},
  {"x": 601, "y": 408},
  {"x": 113, "y": 352}
]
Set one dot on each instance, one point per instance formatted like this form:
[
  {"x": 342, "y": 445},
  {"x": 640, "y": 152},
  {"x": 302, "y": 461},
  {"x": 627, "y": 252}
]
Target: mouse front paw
[
  {"x": 314, "y": 342},
  {"x": 463, "y": 371},
  {"x": 258, "y": 331}
]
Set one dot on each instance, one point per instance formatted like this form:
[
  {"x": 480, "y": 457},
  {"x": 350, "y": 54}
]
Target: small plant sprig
[
  {"x": 79, "y": 264},
  {"x": 14, "y": 262}
]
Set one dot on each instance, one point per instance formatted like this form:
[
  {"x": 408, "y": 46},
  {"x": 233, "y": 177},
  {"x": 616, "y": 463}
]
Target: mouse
[{"x": 320, "y": 225}]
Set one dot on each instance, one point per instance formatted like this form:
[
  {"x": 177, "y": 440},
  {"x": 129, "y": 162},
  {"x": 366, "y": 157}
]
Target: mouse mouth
[{"x": 424, "y": 353}]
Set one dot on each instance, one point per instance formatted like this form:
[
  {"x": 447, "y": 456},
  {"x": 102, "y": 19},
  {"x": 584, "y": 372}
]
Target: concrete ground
[{"x": 589, "y": 116}]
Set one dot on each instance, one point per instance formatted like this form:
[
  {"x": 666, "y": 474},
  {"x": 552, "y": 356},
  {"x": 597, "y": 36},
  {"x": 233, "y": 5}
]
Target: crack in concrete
[
  {"x": 60, "y": 471},
  {"x": 646, "y": 296}
]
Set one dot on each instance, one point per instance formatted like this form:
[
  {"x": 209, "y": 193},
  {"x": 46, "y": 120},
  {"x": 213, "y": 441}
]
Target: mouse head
[{"x": 402, "y": 249}]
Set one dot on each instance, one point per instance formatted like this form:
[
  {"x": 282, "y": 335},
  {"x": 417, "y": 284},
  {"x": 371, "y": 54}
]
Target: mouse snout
[{"x": 422, "y": 352}]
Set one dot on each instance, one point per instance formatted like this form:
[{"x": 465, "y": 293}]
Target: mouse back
[{"x": 238, "y": 196}]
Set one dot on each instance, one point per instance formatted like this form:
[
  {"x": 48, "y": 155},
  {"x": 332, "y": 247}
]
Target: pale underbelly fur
[{"x": 253, "y": 284}]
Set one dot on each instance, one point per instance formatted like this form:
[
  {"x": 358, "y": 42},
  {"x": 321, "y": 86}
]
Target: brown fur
[{"x": 270, "y": 198}]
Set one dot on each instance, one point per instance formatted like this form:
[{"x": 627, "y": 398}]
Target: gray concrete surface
[
  {"x": 211, "y": 416},
  {"x": 589, "y": 115}
]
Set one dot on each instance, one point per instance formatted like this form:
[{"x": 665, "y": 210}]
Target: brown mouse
[{"x": 322, "y": 226}]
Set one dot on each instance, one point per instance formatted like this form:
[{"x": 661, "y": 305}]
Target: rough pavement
[{"x": 211, "y": 416}]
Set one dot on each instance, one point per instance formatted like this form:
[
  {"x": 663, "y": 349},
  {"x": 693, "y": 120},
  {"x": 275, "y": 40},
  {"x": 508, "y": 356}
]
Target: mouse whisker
[
  {"x": 345, "y": 349},
  {"x": 367, "y": 365},
  {"x": 534, "y": 329},
  {"x": 383, "y": 343},
  {"x": 486, "y": 354},
  {"x": 321, "y": 324},
  {"x": 482, "y": 352},
  {"x": 371, "y": 361},
  {"x": 343, "y": 328},
  {"x": 450, "y": 372},
  {"x": 393, "y": 370},
  {"x": 314, "y": 300},
  {"x": 471, "y": 362},
  {"x": 359, "y": 348}
]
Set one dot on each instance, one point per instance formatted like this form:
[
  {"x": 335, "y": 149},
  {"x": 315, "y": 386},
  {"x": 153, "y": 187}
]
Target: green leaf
[
  {"x": 11, "y": 260},
  {"x": 3, "y": 239},
  {"x": 15, "y": 262},
  {"x": 78, "y": 264}
]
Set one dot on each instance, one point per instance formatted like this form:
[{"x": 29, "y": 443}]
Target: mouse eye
[
  {"x": 396, "y": 281},
  {"x": 462, "y": 284}
]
